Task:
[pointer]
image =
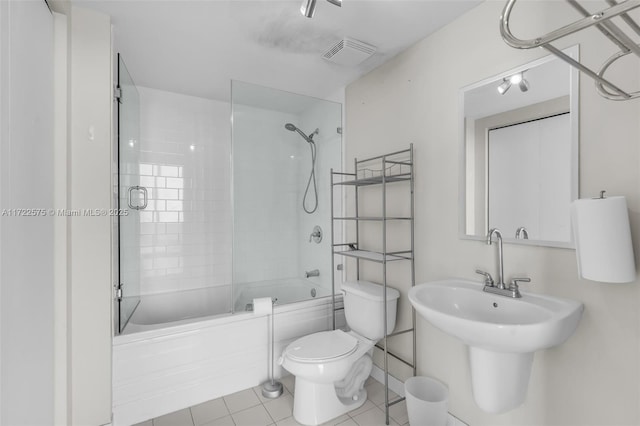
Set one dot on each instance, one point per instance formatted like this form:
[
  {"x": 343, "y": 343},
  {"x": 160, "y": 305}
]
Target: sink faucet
[
  {"x": 495, "y": 231},
  {"x": 500, "y": 287}
]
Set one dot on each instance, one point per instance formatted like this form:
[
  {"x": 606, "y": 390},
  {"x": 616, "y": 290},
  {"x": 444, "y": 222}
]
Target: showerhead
[{"x": 293, "y": 128}]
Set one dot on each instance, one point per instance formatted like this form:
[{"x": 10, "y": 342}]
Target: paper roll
[
  {"x": 262, "y": 306},
  {"x": 603, "y": 239}
]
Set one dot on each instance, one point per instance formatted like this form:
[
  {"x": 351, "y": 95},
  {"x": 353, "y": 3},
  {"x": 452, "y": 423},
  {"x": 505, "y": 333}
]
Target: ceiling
[{"x": 198, "y": 47}]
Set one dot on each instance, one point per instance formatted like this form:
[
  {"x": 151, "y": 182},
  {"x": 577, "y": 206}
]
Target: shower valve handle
[{"x": 316, "y": 235}]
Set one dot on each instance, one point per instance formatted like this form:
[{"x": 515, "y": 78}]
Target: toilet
[{"x": 330, "y": 367}]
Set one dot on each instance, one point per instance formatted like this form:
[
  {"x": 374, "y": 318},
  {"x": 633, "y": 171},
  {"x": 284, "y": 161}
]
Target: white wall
[
  {"x": 592, "y": 379},
  {"x": 185, "y": 239},
  {"x": 26, "y": 243},
  {"x": 90, "y": 236}
]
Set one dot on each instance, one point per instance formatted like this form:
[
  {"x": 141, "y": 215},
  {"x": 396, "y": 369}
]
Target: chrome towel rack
[{"x": 602, "y": 21}]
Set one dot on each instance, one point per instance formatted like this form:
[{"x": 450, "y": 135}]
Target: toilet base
[{"x": 316, "y": 403}]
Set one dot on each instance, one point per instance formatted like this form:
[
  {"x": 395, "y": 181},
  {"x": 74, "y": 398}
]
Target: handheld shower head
[
  {"x": 312, "y": 175},
  {"x": 293, "y": 128}
]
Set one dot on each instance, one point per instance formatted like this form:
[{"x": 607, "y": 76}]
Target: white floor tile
[
  {"x": 249, "y": 408},
  {"x": 241, "y": 400},
  {"x": 255, "y": 416},
  {"x": 177, "y": 418},
  {"x": 337, "y": 420},
  {"x": 398, "y": 412},
  {"x": 373, "y": 417},
  {"x": 208, "y": 411},
  {"x": 147, "y": 423},
  {"x": 289, "y": 383},
  {"x": 375, "y": 393},
  {"x": 289, "y": 421},
  {"x": 367, "y": 406},
  {"x": 348, "y": 422},
  {"x": 223, "y": 421},
  {"x": 280, "y": 408}
]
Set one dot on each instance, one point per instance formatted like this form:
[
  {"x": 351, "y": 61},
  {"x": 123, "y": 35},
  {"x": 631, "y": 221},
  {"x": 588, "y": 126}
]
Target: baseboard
[
  {"x": 397, "y": 386},
  {"x": 394, "y": 384}
]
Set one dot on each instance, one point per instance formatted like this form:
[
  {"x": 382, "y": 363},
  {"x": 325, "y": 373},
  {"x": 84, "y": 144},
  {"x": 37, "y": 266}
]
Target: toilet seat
[{"x": 322, "y": 346}]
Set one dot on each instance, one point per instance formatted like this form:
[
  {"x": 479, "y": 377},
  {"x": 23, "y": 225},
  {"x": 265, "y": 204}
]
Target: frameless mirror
[{"x": 519, "y": 153}]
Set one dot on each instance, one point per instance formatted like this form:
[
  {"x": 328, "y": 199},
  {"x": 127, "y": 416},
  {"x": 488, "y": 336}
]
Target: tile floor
[{"x": 250, "y": 408}]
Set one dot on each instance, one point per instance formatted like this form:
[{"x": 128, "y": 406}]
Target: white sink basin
[
  {"x": 502, "y": 333},
  {"x": 460, "y": 308}
]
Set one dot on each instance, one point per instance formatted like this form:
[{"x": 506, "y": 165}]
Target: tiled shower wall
[
  {"x": 272, "y": 167},
  {"x": 267, "y": 183},
  {"x": 186, "y": 232}
]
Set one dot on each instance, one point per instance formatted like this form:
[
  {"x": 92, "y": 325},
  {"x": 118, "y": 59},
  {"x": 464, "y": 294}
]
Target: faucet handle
[
  {"x": 515, "y": 281},
  {"x": 488, "y": 280}
]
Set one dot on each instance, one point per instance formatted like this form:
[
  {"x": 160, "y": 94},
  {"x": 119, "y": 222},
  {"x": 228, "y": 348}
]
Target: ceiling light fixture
[
  {"x": 518, "y": 79},
  {"x": 308, "y": 7},
  {"x": 504, "y": 86}
]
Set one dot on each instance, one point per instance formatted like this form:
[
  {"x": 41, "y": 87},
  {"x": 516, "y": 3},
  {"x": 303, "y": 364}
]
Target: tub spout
[{"x": 314, "y": 273}]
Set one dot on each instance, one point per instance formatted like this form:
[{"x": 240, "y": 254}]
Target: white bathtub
[
  {"x": 283, "y": 292},
  {"x": 175, "y": 308},
  {"x": 167, "y": 362}
]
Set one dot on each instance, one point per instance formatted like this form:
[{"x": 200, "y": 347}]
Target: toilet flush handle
[{"x": 280, "y": 360}]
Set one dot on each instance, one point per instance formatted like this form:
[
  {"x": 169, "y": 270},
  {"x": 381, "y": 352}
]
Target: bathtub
[{"x": 169, "y": 361}]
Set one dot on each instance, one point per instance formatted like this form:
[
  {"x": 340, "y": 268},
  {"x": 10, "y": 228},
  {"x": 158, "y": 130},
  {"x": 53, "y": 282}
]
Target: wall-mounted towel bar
[{"x": 602, "y": 21}]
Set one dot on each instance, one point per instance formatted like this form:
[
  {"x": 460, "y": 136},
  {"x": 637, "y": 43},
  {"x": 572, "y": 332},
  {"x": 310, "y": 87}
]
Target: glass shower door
[{"x": 132, "y": 197}]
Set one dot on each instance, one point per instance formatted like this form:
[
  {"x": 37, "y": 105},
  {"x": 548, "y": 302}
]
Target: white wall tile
[{"x": 188, "y": 219}]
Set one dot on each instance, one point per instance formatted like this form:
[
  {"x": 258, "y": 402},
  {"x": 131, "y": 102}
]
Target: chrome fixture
[
  {"x": 522, "y": 234},
  {"x": 518, "y": 79},
  {"x": 495, "y": 231},
  {"x": 312, "y": 175},
  {"x": 622, "y": 37},
  {"x": 272, "y": 388},
  {"x": 514, "y": 290},
  {"x": 294, "y": 128},
  {"x": 313, "y": 273},
  {"x": 500, "y": 288},
  {"x": 316, "y": 235},
  {"x": 488, "y": 279},
  {"x": 145, "y": 197},
  {"x": 504, "y": 86},
  {"x": 308, "y": 7}
]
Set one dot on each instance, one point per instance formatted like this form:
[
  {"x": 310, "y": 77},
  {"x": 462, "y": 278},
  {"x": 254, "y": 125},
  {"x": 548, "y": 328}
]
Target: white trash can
[{"x": 427, "y": 401}]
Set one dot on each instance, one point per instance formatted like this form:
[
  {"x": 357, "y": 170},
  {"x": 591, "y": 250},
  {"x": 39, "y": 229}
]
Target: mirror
[{"x": 519, "y": 153}]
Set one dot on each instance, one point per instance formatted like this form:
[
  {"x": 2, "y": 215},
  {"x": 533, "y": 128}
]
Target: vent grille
[{"x": 349, "y": 52}]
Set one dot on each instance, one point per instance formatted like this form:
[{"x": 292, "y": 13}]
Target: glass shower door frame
[{"x": 128, "y": 127}]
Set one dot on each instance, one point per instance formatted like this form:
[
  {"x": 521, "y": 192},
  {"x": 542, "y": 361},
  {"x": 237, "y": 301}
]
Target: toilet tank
[{"x": 364, "y": 308}]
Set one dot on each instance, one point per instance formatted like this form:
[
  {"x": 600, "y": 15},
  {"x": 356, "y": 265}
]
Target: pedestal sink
[{"x": 502, "y": 333}]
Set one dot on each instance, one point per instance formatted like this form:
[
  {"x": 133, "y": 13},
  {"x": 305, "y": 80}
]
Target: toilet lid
[{"x": 322, "y": 346}]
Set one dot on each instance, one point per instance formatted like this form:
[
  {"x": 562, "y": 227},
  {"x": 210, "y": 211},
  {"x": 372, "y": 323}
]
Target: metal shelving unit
[{"x": 392, "y": 168}]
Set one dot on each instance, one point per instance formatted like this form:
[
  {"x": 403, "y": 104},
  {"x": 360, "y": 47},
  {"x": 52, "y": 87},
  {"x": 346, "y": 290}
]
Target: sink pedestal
[{"x": 499, "y": 379}]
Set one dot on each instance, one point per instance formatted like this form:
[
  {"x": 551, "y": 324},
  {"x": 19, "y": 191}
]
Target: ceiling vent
[{"x": 349, "y": 52}]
